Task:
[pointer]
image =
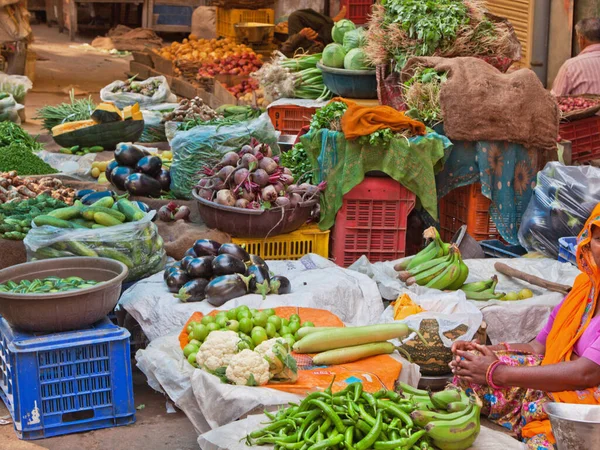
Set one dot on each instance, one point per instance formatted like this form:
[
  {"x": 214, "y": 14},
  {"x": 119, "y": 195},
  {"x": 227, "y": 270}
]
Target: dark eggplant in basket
[
  {"x": 176, "y": 280},
  {"x": 109, "y": 168},
  {"x": 83, "y": 192},
  {"x": 172, "y": 268},
  {"x": 222, "y": 289},
  {"x": 258, "y": 261},
  {"x": 142, "y": 185},
  {"x": 128, "y": 154},
  {"x": 193, "y": 291},
  {"x": 206, "y": 247},
  {"x": 280, "y": 285},
  {"x": 94, "y": 196},
  {"x": 150, "y": 165},
  {"x": 200, "y": 267},
  {"x": 185, "y": 262},
  {"x": 164, "y": 178},
  {"x": 259, "y": 281},
  {"x": 234, "y": 250},
  {"x": 119, "y": 176},
  {"x": 227, "y": 265},
  {"x": 190, "y": 252}
]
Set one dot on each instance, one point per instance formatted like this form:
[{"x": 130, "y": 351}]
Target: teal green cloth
[{"x": 343, "y": 164}]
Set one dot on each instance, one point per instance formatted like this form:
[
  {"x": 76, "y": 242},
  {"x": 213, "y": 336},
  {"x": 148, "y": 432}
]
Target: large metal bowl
[
  {"x": 575, "y": 427},
  {"x": 253, "y": 32},
  {"x": 65, "y": 310}
]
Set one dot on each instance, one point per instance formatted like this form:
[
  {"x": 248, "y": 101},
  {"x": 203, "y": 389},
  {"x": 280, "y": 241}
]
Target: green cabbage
[
  {"x": 333, "y": 56},
  {"x": 356, "y": 59},
  {"x": 340, "y": 29},
  {"x": 355, "y": 39}
]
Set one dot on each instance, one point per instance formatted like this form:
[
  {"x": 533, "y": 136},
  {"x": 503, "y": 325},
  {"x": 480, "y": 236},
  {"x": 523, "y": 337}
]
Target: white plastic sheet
[
  {"x": 231, "y": 437},
  {"x": 515, "y": 321},
  {"x": 316, "y": 283}
]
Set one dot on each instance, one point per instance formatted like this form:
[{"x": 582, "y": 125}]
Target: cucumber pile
[
  {"x": 16, "y": 217},
  {"x": 87, "y": 230}
]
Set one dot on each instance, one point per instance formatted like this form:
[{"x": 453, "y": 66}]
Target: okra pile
[
  {"x": 48, "y": 285},
  {"x": 80, "y": 151},
  {"x": 355, "y": 419},
  {"x": 16, "y": 217}
]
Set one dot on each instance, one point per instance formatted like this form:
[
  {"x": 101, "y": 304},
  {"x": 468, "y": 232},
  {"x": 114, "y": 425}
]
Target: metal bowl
[
  {"x": 62, "y": 311},
  {"x": 253, "y": 32},
  {"x": 575, "y": 427}
]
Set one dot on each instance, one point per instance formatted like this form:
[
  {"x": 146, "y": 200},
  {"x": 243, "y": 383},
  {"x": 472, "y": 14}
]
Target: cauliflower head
[
  {"x": 282, "y": 365},
  {"x": 217, "y": 350},
  {"x": 248, "y": 368}
]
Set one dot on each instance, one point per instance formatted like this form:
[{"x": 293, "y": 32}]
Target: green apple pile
[{"x": 252, "y": 325}]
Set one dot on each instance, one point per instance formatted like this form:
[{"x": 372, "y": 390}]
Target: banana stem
[{"x": 419, "y": 334}]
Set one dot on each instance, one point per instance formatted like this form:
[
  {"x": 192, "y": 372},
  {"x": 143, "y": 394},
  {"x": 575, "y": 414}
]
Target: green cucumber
[
  {"x": 68, "y": 213},
  {"x": 132, "y": 213},
  {"x": 96, "y": 149},
  {"x": 105, "y": 202},
  {"x": 97, "y": 226},
  {"x": 48, "y": 252},
  {"x": 105, "y": 219},
  {"x": 51, "y": 221},
  {"x": 114, "y": 254},
  {"x": 111, "y": 212},
  {"x": 81, "y": 249},
  {"x": 83, "y": 222}
]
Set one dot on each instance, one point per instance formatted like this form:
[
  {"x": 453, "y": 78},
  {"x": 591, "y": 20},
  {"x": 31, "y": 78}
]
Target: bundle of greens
[
  {"x": 12, "y": 133},
  {"x": 52, "y": 116},
  {"x": 400, "y": 29},
  {"x": 422, "y": 95},
  {"x": 296, "y": 77},
  {"x": 297, "y": 161}
]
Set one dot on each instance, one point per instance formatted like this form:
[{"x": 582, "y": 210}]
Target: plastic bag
[
  {"x": 136, "y": 244},
  {"x": 9, "y": 109},
  {"x": 205, "y": 145},
  {"x": 562, "y": 201},
  {"x": 17, "y": 85},
  {"x": 154, "y": 127},
  {"x": 122, "y": 99}
]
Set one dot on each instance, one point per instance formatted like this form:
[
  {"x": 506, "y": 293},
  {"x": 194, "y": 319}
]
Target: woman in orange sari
[{"x": 561, "y": 365}]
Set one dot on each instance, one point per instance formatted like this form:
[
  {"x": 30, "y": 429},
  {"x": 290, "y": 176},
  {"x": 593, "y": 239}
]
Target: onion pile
[
  {"x": 569, "y": 104},
  {"x": 253, "y": 179}
]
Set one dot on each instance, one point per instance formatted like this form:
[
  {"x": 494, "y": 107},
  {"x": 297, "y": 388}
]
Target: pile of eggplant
[
  {"x": 253, "y": 179},
  {"x": 221, "y": 272},
  {"x": 138, "y": 171}
]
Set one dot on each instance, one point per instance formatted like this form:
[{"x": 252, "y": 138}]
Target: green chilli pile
[{"x": 48, "y": 285}]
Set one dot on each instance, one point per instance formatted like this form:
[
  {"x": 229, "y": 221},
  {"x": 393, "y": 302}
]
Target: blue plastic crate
[
  {"x": 495, "y": 248},
  {"x": 61, "y": 383},
  {"x": 567, "y": 250},
  {"x": 174, "y": 15}
]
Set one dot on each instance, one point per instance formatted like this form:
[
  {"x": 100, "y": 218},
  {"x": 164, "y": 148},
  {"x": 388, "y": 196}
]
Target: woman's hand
[
  {"x": 473, "y": 368},
  {"x": 463, "y": 345}
]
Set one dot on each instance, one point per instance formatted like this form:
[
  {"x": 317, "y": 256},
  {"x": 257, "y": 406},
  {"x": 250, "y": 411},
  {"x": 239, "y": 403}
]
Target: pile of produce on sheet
[
  {"x": 138, "y": 171},
  {"x": 137, "y": 87},
  {"x": 347, "y": 50},
  {"x": 249, "y": 92},
  {"x": 80, "y": 151},
  {"x": 221, "y": 272},
  {"x": 226, "y": 115},
  {"x": 99, "y": 168},
  {"x": 16, "y": 215},
  {"x": 252, "y": 179},
  {"x": 14, "y": 188},
  {"x": 48, "y": 285},
  {"x": 76, "y": 110},
  {"x": 194, "y": 109},
  {"x": 399, "y": 29},
  {"x": 17, "y": 152},
  {"x": 296, "y": 77}
]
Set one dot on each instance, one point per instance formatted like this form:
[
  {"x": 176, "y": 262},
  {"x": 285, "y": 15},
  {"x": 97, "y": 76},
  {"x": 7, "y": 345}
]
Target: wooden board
[
  {"x": 142, "y": 70},
  {"x": 144, "y": 58},
  {"x": 162, "y": 65}
]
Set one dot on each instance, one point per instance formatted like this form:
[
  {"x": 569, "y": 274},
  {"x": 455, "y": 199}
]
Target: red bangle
[
  {"x": 506, "y": 346},
  {"x": 489, "y": 376}
]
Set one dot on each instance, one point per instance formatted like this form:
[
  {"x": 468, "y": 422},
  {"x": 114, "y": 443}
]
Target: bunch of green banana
[
  {"x": 482, "y": 290},
  {"x": 454, "y": 424},
  {"x": 434, "y": 249},
  {"x": 446, "y": 272}
]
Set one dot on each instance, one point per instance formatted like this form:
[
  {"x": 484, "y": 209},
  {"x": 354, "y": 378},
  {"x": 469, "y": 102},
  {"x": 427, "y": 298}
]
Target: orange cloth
[
  {"x": 375, "y": 372},
  {"x": 360, "y": 121},
  {"x": 572, "y": 319}
]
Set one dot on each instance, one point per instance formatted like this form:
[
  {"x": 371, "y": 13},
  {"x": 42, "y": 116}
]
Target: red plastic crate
[
  {"x": 467, "y": 205},
  {"x": 358, "y": 11},
  {"x": 372, "y": 222},
  {"x": 584, "y": 135},
  {"x": 289, "y": 119}
]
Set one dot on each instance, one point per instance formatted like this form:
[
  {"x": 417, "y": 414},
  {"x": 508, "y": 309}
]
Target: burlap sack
[{"x": 179, "y": 236}]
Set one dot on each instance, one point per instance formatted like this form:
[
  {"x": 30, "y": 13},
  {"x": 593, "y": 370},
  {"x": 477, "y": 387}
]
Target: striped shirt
[{"x": 580, "y": 75}]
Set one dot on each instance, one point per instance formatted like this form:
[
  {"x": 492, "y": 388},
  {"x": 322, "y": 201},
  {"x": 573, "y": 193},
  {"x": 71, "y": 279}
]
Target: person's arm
[{"x": 535, "y": 347}]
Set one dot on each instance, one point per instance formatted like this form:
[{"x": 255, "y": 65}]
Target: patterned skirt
[{"x": 514, "y": 407}]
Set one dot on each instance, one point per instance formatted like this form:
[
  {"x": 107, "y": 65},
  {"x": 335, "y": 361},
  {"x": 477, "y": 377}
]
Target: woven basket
[{"x": 582, "y": 113}]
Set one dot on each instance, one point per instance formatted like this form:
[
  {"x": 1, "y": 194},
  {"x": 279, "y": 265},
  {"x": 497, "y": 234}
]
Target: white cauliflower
[
  {"x": 218, "y": 349},
  {"x": 248, "y": 368},
  {"x": 282, "y": 365}
]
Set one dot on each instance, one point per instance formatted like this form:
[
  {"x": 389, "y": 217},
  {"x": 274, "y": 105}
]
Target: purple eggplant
[
  {"x": 143, "y": 185},
  {"x": 258, "y": 261},
  {"x": 190, "y": 252},
  {"x": 176, "y": 280},
  {"x": 200, "y": 267},
  {"x": 128, "y": 155},
  {"x": 280, "y": 285},
  {"x": 193, "y": 291},
  {"x": 109, "y": 168},
  {"x": 164, "y": 178},
  {"x": 222, "y": 289},
  {"x": 185, "y": 262},
  {"x": 119, "y": 176},
  {"x": 150, "y": 165},
  {"x": 172, "y": 268},
  {"x": 259, "y": 280},
  {"x": 228, "y": 265},
  {"x": 234, "y": 250},
  {"x": 206, "y": 247}
]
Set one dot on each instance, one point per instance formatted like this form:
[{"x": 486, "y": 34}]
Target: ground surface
[{"x": 63, "y": 64}]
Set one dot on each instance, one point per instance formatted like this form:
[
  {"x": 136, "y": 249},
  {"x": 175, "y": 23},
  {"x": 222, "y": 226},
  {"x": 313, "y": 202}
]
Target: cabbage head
[
  {"x": 356, "y": 59},
  {"x": 333, "y": 56},
  {"x": 340, "y": 29},
  {"x": 355, "y": 39}
]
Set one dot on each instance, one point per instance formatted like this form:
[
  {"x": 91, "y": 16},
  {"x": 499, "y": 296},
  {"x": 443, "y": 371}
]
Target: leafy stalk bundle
[
  {"x": 422, "y": 95},
  {"x": 52, "y": 116},
  {"x": 296, "y": 77}
]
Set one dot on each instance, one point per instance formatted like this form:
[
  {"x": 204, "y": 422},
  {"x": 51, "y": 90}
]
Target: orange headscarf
[{"x": 572, "y": 319}]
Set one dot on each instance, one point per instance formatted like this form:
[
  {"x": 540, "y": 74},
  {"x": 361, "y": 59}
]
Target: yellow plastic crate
[
  {"x": 227, "y": 18},
  {"x": 291, "y": 246}
]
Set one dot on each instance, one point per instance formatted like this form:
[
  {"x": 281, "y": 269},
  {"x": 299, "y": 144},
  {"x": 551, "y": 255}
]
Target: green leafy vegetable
[
  {"x": 52, "y": 116},
  {"x": 12, "y": 133},
  {"x": 297, "y": 161},
  {"x": 19, "y": 157}
]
